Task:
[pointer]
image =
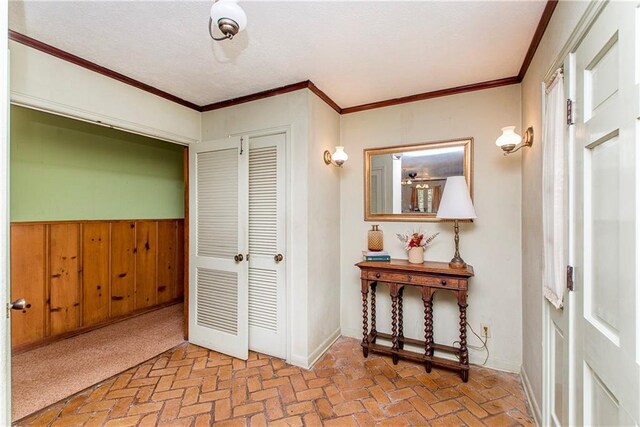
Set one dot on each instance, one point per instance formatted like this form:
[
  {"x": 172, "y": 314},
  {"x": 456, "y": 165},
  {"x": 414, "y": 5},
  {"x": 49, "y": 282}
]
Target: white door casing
[
  {"x": 218, "y": 271},
  {"x": 267, "y": 235},
  {"x": 558, "y": 367},
  {"x": 5, "y": 289},
  {"x": 607, "y": 379}
]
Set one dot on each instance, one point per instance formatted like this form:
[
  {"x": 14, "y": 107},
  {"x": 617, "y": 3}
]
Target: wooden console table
[{"x": 429, "y": 277}]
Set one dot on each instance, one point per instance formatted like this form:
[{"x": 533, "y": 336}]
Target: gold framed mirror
[{"x": 405, "y": 182}]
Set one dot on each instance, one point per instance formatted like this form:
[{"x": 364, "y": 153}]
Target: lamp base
[{"x": 457, "y": 262}]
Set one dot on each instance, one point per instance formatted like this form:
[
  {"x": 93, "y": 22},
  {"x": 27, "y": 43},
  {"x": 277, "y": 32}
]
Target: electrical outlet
[{"x": 485, "y": 330}]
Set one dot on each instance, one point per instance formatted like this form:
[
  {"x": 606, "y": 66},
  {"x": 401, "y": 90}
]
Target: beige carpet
[{"x": 48, "y": 374}]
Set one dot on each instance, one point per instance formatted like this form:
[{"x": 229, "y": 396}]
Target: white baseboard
[
  {"x": 323, "y": 347},
  {"x": 528, "y": 391},
  {"x": 299, "y": 361},
  {"x": 308, "y": 361}
]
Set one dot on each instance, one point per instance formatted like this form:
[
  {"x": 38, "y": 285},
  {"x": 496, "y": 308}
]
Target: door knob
[
  {"x": 238, "y": 258},
  {"x": 278, "y": 258},
  {"x": 19, "y": 304}
]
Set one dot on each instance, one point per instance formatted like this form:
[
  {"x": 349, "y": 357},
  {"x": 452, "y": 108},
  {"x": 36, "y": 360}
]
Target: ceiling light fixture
[{"x": 229, "y": 17}]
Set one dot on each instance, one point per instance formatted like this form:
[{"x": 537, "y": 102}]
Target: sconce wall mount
[
  {"x": 510, "y": 142},
  {"x": 337, "y": 158}
]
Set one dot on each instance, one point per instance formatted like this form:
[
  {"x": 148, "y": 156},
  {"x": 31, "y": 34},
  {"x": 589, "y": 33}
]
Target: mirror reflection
[{"x": 410, "y": 180}]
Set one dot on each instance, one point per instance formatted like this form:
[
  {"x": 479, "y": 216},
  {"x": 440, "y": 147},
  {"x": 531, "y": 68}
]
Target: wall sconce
[
  {"x": 511, "y": 142},
  {"x": 337, "y": 158}
]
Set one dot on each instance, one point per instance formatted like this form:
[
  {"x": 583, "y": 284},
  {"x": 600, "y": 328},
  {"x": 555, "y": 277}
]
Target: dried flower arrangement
[{"x": 416, "y": 239}]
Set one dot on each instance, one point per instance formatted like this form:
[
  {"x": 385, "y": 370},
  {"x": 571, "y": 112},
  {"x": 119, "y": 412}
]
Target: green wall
[{"x": 65, "y": 169}]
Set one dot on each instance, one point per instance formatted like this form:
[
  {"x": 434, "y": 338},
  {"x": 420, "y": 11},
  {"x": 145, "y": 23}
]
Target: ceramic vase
[
  {"x": 416, "y": 255},
  {"x": 374, "y": 241}
]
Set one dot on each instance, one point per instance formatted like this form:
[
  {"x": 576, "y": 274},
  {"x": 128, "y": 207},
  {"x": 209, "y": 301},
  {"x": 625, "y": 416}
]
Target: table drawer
[
  {"x": 444, "y": 282},
  {"x": 385, "y": 276}
]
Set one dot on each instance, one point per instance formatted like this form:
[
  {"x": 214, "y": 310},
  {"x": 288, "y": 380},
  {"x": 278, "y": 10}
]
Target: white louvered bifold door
[
  {"x": 267, "y": 314},
  {"x": 218, "y": 292}
]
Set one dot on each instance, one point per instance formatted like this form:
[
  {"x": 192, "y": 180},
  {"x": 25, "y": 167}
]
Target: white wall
[
  {"x": 47, "y": 83},
  {"x": 564, "y": 20},
  {"x": 491, "y": 244},
  {"x": 324, "y": 229},
  {"x": 290, "y": 111}
]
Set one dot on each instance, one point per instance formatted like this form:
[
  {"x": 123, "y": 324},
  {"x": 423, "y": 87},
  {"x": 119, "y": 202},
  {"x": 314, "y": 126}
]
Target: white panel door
[
  {"x": 218, "y": 293},
  {"x": 606, "y": 217},
  {"x": 267, "y": 258}
]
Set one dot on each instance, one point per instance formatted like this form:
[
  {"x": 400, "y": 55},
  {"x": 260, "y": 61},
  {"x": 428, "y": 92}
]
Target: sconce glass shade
[
  {"x": 456, "y": 202},
  {"x": 229, "y": 9},
  {"x": 509, "y": 137},
  {"x": 339, "y": 156}
]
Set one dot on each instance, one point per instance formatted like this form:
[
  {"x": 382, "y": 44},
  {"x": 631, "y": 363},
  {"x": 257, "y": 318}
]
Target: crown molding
[
  {"x": 434, "y": 94},
  {"x": 547, "y": 13},
  {"x": 69, "y": 57},
  {"x": 307, "y": 84},
  {"x": 256, "y": 96},
  {"x": 313, "y": 88}
]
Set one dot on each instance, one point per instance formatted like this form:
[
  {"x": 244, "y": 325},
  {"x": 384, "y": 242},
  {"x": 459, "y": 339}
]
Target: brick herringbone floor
[{"x": 191, "y": 386}]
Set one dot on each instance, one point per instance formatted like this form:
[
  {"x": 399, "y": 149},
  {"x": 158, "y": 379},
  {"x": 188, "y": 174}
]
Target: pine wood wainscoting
[{"x": 78, "y": 275}]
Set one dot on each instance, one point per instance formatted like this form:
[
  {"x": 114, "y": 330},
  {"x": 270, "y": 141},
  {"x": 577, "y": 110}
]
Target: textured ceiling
[{"x": 355, "y": 51}]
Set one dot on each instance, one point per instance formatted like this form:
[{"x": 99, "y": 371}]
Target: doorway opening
[{"x": 97, "y": 253}]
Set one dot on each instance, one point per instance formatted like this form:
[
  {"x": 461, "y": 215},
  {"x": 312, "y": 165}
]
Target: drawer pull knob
[
  {"x": 444, "y": 282},
  {"x": 377, "y": 275}
]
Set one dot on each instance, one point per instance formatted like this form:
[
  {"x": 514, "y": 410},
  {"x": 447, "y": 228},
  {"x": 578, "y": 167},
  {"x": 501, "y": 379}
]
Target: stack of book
[{"x": 376, "y": 256}]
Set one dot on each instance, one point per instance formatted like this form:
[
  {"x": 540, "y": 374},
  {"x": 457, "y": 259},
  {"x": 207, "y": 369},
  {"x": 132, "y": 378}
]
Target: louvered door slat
[
  {"x": 263, "y": 298},
  {"x": 217, "y": 204},
  {"x": 267, "y": 331},
  {"x": 218, "y": 301},
  {"x": 263, "y": 202}
]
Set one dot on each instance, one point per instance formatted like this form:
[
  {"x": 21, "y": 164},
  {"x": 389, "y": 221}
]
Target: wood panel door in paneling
[
  {"x": 146, "y": 241},
  {"x": 167, "y": 260},
  {"x": 28, "y": 267},
  {"x": 123, "y": 289},
  {"x": 95, "y": 273},
  {"x": 64, "y": 277}
]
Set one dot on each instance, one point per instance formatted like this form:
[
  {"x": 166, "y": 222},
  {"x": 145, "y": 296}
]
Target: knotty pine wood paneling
[
  {"x": 79, "y": 274},
  {"x": 28, "y": 269},
  {"x": 123, "y": 266},
  {"x": 146, "y": 263},
  {"x": 167, "y": 261},
  {"x": 64, "y": 277},
  {"x": 95, "y": 272},
  {"x": 180, "y": 263}
]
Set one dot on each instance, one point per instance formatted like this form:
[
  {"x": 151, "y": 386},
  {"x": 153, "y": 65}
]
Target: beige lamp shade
[{"x": 456, "y": 201}]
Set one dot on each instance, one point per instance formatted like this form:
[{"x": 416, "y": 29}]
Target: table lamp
[{"x": 456, "y": 204}]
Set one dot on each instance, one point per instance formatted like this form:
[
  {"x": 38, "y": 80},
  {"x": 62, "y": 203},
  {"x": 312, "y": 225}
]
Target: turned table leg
[
  {"x": 374, "y": 331},
  {"x": 427, "y": 300},
  {"x": 365, "y": 324},
  {"x": 394, "y": 291},
  {"x": 464, "y": 352},
  {"x": 400, "y": 325}
]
